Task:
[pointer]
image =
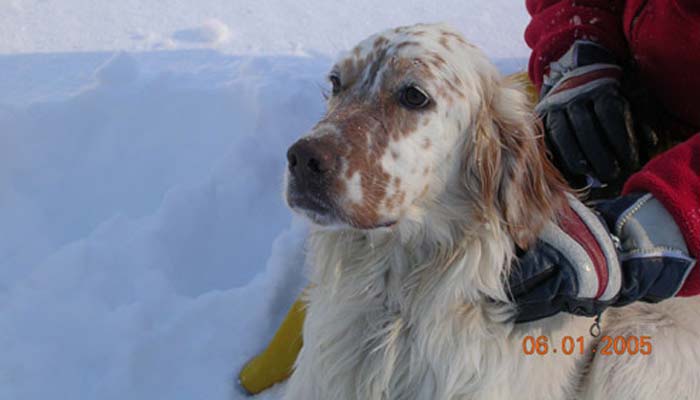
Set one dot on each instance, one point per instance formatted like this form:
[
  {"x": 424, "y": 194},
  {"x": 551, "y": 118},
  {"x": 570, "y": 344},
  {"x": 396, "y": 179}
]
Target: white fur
[{"x": 419, "y": 310}]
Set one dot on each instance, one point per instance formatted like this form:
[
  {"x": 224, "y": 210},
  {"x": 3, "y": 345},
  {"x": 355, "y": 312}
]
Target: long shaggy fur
[{"x": 419, "y": 310}]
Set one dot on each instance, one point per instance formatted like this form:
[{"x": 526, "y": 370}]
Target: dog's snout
[
  {"x": 309, "y": 160},
  {"x": 311, "y": 164}
]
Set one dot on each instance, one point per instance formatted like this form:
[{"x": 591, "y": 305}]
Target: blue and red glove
[
  {"x": 587, "y": 120},
  {"x": 629, "y": 250}
]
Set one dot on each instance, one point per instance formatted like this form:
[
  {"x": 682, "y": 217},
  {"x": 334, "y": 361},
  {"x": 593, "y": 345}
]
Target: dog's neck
[{"x": 442, "y": 247}]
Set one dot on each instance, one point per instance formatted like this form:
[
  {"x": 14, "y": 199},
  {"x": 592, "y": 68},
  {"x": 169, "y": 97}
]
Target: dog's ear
[{"x": 518, "y": 184}]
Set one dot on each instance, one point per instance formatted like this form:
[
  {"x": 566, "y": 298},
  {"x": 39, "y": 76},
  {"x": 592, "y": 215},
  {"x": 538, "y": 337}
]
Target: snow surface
[{"x": 145, "y": 250}]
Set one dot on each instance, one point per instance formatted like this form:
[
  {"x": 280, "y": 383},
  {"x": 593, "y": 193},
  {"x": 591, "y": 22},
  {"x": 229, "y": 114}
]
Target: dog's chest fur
[{"x": 384, "y": 323}]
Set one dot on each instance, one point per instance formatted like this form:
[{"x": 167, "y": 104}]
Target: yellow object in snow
[{"x": 276, "y": 362}]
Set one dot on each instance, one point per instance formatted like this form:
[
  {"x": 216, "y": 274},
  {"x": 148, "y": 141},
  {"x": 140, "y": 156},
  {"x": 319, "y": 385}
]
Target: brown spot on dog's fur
[
  {"x": 389, "y": 203},
  {"x": 423, "y": 68},
  {"x": 407, "y": 43},
  {"x": 442, "y": 93},
  {"x": 401, "y": 197},
  {"x": 435, "y": 63},
  {"x": 375, "y": 60},
  {"x": 381, "y": 41},
  {"x": 426, "y": 143},
  {"x": 397, "y": 198},
  {"x": 347, "y": 66},
  {"x": 443, "y": 43},
  {"x": 454, "y": 89},
  {"x": 437, "y": 59},
  {"x": 457, "y": 37}
]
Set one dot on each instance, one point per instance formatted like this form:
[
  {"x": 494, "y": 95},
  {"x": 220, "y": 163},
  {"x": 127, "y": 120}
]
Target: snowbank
[{"x": 139, "y": 224}]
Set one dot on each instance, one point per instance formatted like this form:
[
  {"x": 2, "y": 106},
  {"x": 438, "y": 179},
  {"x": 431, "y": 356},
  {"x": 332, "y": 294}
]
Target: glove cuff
[
  {"x": 649, "y": 240},
  {"x": 582, "y": 53},
  {"x": 584, "y": 67},
  {"x": 577, "y": 82}
]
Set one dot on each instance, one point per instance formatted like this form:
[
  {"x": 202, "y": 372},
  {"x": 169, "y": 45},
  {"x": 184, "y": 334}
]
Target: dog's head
[{"x": 417, "y": 113}]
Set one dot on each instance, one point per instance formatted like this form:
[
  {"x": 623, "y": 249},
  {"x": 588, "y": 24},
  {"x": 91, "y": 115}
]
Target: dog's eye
[
  {"x": 335, "y": 81},
  {"x": 413, "y": 97}
]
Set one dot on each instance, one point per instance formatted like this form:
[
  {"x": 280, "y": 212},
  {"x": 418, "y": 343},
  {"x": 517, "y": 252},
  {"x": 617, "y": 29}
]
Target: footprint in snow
[{"x": 211, "y": 31}]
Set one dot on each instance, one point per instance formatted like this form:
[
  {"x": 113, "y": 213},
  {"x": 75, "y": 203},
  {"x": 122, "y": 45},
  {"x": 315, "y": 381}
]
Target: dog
[{"x": 425, "y": 174}]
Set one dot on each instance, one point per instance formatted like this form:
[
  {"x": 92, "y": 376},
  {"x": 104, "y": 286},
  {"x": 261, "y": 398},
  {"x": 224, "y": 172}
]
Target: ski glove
[
  {"x": 588, "y": 124},
  {"x": 578, "y": 266}
]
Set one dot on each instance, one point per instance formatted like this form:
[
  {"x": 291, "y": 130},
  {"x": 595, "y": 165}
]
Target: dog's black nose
[{"x": 309, "y": 160}]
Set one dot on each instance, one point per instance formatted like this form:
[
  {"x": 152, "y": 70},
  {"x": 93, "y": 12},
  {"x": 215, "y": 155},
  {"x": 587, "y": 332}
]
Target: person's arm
[{"x": 673, "y": 178}]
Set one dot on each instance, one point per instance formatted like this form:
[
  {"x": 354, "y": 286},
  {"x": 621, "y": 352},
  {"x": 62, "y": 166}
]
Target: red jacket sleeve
[
  {"x": 556, "y": 24},
  {"x": 673, "y": 178}
]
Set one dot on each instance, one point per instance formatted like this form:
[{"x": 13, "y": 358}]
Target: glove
[
  {"x": 578, "y": 266},
  {"x": 588, "y": 125}
]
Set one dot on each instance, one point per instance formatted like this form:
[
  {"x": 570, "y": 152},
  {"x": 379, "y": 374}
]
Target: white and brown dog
[{"x": 425, "y": 173}]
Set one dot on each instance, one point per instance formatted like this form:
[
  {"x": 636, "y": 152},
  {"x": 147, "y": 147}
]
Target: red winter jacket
[{"x": 662, "y": 39}]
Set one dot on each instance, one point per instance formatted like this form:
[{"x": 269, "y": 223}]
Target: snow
[
  {"x": 145, "y": 250},
  {"x": 254, "y": 26}
]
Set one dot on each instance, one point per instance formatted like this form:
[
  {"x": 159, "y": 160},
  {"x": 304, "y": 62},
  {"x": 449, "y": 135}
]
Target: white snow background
[{"x": 145, "y": 250}]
